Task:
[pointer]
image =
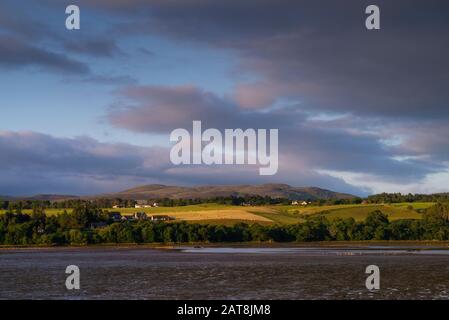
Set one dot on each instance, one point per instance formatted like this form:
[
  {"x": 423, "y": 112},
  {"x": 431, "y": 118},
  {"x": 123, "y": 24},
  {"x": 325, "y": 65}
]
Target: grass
[
  {"x": 415, "y": 205},
  {"x": 360, "y": 214},
  {"x": 357, "y": 211},
  {"x": 192, "y": 213},
  {"x": 221, "y": 214},
  {"x": 159, "y": 210},
  {"x": 279, "y": 214},
  {"x": 49, "y": 212},
  {"x": 163, "y": 210},
  {"x": 227, "y": 222}
]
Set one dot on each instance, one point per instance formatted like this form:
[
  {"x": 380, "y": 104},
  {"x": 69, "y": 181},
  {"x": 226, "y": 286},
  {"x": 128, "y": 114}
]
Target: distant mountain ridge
[
  {"x": 41, "y": 197},
  {"x": 158, "y": 191}
]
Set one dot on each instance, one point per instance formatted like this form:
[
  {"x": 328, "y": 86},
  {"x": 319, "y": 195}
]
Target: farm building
[
  {"x": 140, "y": 216},
  {"x": 297, "y": 203},
  {"x": 160, "y": 218}
]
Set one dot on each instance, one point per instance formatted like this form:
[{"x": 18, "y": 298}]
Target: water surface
[{"x": 224, "y": 273}]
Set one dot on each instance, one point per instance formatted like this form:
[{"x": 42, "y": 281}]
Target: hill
[{"x": 157, "y": 191}]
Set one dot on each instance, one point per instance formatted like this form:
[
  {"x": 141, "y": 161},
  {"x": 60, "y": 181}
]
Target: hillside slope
[{"x": 270, "y": 190}]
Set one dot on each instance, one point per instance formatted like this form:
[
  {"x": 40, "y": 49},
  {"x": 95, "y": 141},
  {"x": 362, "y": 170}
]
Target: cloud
[
  {"x": 17, "y": 54},
  {"x": 83, "y": 155},
  {"x": 158, "y": 109},
  {"x": 27, "y": 157},
  {"x": 161, "y": 109},
  {"x": 111, "y": 80},
  {"x": 36, "y": 163},
  {"x": 256, "y": 95},
  {"x": 317, "y": 52},
  {"x": 26, "y": 41},
  {"x": 98, "y": 47},
  {"x": 346, "y": 100},
  {"x": 17, "y": 23}
]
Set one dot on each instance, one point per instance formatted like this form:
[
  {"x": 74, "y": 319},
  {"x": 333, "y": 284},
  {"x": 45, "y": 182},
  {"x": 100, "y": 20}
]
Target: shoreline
[{"x": 386, "y": 244}]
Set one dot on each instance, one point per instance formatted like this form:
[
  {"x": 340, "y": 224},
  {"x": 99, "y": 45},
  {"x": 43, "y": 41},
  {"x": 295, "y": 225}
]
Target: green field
[
  {"x": 159, "y": 210},
  {"x": 360, "y": 214},
  {"x": 415, "y": 205},
  {"x": 357, "y": 211},
  {"x": 226, "y": 214}
]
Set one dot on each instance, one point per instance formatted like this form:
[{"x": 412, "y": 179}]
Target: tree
[
  {"x": 439, "y": 213},
  {"x": 376, "y": 226},
  {"x": 315, "y": 228},
  {"x": 148, "y": 233}
]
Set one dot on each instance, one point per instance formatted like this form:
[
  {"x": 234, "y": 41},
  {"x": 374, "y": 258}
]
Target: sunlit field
[{"x": 276, "y": 214}]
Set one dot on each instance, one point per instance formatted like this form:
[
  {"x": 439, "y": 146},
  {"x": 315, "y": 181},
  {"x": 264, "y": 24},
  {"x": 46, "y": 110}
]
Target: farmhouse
[
  {"x": 297, "y": 203},
  {"x": 160, "y": 218},
  {"x": 140, "y": 216},
  {"x": 128, "y": 218},
  {"x": 140, "y": 204}
]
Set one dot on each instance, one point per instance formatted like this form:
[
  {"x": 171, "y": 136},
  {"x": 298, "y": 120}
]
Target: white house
[
  {"x": 140, "y": 216},
  {"x": 142, "y": 204},
  {"x": 160, "y": 218}
]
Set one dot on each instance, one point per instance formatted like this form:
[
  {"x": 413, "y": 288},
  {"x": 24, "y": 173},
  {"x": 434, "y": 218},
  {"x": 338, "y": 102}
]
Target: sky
[{"x": 90, "y": 111}]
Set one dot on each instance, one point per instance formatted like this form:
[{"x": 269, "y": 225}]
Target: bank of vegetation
[{"x": 78, "y": 227}]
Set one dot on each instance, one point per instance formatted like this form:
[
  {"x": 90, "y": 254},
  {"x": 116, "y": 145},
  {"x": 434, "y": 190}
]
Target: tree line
[
  {"x": 399, "y": 198},
  {"x": 252, "y": 200},
  {"x": 75, "y": 228},
  {"x": 164, "y": 202}
]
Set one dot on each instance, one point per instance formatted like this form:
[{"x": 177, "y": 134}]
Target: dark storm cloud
[
  {"x": 18, "y": 54},
  {"x": 322, "y": 55},
  {"x": 99, "y": 47},
  {"x": 22, "y": 39},
  {"x": 26, "y": 40},
  {"x": 83, "y": 155},
  {"x": 111, "y": 80},
  {"x": 30, "y": 157},
  {"x": 318, "y": 52},
  {"x": 17, "y": 23}
]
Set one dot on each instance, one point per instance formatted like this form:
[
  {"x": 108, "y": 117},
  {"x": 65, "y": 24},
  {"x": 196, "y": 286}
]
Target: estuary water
[{"x": 225, "y": 273}]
